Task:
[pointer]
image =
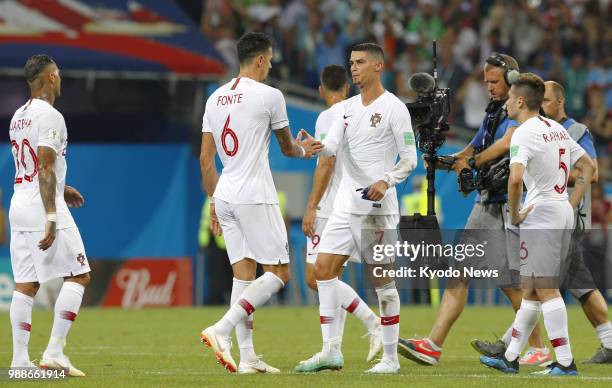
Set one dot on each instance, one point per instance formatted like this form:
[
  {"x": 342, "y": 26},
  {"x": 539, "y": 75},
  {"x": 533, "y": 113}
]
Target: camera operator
[{"x": 488, "y": 148}]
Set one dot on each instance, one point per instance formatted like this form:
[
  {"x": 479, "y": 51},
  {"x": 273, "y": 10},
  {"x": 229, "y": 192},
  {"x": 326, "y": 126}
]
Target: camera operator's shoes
[
  {"x": 419, "y": 351},
  {"x": 602, "y": 356},
  {"x": 489, "y": 349},
  {"x": 536, "y": 357},
  {"x": 500, "y": 363}
]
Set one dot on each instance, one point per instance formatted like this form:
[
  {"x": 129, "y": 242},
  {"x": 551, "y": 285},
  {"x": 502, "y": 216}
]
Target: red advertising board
[{"x": 150, "y": 282}]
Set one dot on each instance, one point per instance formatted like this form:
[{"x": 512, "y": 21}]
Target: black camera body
[{"x": 429, "y": 114}]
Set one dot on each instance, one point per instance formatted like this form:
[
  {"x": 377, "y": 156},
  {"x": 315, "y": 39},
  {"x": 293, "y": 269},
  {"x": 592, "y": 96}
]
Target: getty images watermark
[{"x": 425, "y": 252}]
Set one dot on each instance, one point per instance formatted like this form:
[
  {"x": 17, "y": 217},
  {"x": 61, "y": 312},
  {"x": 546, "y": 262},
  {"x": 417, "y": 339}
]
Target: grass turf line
[{"x": 160, "y": 347}]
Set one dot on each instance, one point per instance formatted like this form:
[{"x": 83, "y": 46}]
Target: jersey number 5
[
  {"x": 562, "y": 166},
  {"x": 28, "y": 177},
  {"x": 227, "y": 131}
]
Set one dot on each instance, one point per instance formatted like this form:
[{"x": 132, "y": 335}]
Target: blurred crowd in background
[{"x": 564, "y": 40}]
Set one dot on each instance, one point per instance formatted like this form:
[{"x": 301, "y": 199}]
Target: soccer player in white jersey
[
  {"x": 238, "y": 122},
  {"x": 374, "y": 130},
  {"x": 326, "y": 180},
  {"x": 542, "y": 153},
  {"x": 45, "y": 241}
]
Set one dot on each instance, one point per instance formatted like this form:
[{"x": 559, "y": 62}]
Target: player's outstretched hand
[
  {"x": 72, "y": 197},
  {"x": 215, "y": 227},
  {"x": 46, "y": 242},
  {"x": 308, "y": 221},
  {"x": 310, "y": 145},
  {"x": 377, "y": 191},
  {"x": 517, "y": 220}
]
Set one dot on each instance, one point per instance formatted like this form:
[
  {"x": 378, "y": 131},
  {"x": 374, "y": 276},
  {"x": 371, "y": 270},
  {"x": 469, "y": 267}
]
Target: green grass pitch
[{"x": 161, "y": 348}]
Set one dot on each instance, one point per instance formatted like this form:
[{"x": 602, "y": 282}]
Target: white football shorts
[
  {"x": 312, "y": 243},
  {"x": 545, "y": 237},
  {"x": 254, "y": 231},
  {"x": 66, "y": 257},
  {"x": 343, "y": 233}
]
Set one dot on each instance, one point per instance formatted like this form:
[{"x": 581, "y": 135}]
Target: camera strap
[{"x": 495, "y": 115}]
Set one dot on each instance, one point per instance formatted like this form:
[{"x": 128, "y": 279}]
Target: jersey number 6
[{"x": 227, "y": 131}]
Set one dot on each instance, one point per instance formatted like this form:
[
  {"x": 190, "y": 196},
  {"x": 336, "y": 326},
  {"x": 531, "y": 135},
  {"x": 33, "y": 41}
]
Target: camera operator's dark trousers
[{"x": 487, "y": 224}]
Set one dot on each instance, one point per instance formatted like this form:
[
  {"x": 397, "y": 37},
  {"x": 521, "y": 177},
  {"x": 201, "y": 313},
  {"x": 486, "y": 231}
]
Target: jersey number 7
[{"x": 227, "y": 131}]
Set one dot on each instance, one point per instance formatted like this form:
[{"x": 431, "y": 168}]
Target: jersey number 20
[
  {"x": 21, "y": 157},
  {"x": 227, "y": 131}
]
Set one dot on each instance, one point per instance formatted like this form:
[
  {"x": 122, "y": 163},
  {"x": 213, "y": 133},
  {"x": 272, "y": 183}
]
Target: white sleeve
[
  {"x": 520, "y": 149},
  {"x": 403, "y": 134},
  {"x": 206, "y": 127},
  {"x": 50, "y": 132},
  {"x": 576, "y": 152},
  {"x": 275, "y": 103},
  {"x": 335, "y": 134}
]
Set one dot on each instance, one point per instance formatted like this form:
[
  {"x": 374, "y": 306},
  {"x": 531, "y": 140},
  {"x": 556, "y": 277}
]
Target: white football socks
[
  {"x": 507, "y": 337},
  {"x": 555, "y": 321},
  {"x": 244, "y": 328},
  {"x": 328, "y": 309},
  {"x": 351, "y": 302},
  {"x": 389, "y": 303},
  {"x": 21, "y": 323},
  {"x": 67, "y": 307},
  {"x": 604, "y": 333},
  {"x": 255, "y": 294},
  {"x": 524, "y": 322}
]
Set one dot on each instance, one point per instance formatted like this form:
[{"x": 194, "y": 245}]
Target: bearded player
[{"x": 45, "y": 241}]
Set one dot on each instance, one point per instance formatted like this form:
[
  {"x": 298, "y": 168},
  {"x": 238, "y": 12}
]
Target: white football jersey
[
  {"x": 240, "y": 115},
  {"x": 324, "y": 122},
  {"x": 37, "y": 123},
  {"x": 548, "y": 153},
  {"x": 372, "y": 138}
]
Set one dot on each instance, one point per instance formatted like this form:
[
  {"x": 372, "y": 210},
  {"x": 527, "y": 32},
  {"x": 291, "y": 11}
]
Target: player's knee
[
  {"x": 29, "y": 289},
  {"x": 321, "y": 270},
  {"x": 83, "y": 279},
  {"x": 285, "y": 276}
]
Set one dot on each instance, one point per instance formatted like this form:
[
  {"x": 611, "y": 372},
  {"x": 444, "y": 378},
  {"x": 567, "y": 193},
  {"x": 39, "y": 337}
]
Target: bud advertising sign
[{"x": 146, "y": 282}]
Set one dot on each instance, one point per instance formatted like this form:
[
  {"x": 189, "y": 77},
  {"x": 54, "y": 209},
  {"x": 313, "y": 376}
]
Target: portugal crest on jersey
[
  {"x": 81, "y": 259},
  {"x": 375, "y": 119}
]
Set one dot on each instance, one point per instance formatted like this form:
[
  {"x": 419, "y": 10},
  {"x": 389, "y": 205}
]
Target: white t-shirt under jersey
[
  {"x": 373, "y": 137},
  {"x": 548, "y": 153},
  {"x": 240, "y": 116},
  {"x": 324, "y": 122},
  {"x": 35, "y": 124}
]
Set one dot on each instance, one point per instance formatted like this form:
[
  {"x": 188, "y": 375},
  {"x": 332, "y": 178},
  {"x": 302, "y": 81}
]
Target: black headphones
[{"x": 510, "y": 75}]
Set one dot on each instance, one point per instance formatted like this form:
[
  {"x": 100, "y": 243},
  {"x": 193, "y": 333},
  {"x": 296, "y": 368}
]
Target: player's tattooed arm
[
  {"x": 207, "y": 163},
  {"x": 584, "y": 168},
  {"x": 47, "y": 182},
  {"x": 297, "y": 148}
]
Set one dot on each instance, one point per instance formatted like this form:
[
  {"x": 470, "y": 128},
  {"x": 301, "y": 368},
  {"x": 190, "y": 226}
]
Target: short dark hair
[
  {"x": 34, "y": 65},
  {"x": 531, "y": 87},
  {"x": 252, "y": 44},
  {"x": 371, "y": 48},
  {"x": 333, "y": 77}
]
